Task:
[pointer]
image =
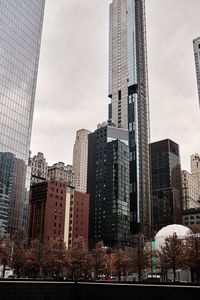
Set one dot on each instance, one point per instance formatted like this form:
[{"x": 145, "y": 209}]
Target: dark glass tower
[
  {"x": 20, "y": 35},
  {"x": 128, "y": 90},
  {"x": 166, "y": 184},
  {"x": 108, "y": 186}
]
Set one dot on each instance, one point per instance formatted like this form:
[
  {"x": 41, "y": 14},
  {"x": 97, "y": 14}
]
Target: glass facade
[
  {"x": 108, "y": 186},
  {"x": 128, "y": 90},
  {"x": 196, "y": 45},
  {"x": 166, "y": 184},
  {"x": 20, "y": 35}
]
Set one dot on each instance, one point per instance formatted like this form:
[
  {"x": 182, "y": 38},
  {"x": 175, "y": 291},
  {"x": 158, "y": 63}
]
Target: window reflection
[{"x": 20, "y": 31}]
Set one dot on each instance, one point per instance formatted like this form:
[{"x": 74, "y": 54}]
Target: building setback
[
  {"x": 108, "y": 186},
  {"x": 129, "y": 107},
  {"x": 166, "y": 184},
  {"x": 20, "y": 32},
  {"x": 80, "y": 159}
]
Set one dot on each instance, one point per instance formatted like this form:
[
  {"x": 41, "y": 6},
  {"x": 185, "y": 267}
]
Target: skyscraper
[
  {"x": 20, "y": 33},
  {"x": 129, "y": 108},
  {"x": 196, "y": 46},
  {"x": 195, "y": 167},
  {"x": 108, "y": 186},
  {"x": 190, "y": 191},
  {"x": 166, "y": 184},
  {"x": 80, "y": 159}
]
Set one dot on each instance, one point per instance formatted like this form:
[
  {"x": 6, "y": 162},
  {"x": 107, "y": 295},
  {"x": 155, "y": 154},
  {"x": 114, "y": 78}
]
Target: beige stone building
[
  {"x": 195, "y": 166},
  {"x": 61, "y": 172},
  {"x": 80, "y": 159},
  {"x": 190, "y": 191},
  {"x": 39, "y": 168}
]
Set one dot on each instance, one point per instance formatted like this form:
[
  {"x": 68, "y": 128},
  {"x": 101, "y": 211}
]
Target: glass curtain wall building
[
  {"x": 166, "y": 184},
  {"x": 108, "y": 186},
  {"x": 129, "y": 108},
  {"x": 196, "y": 46},
  {"x": 20, "y": 36}
]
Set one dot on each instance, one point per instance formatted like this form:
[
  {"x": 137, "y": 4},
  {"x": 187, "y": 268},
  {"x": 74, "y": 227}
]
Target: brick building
[
  {"x": 57, "y": 210},
  {"x": 78, "y": 204},
  {"x": 47, "y": 212}
]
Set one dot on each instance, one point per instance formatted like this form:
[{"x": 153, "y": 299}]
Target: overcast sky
[{"x": 73, "y": 74}]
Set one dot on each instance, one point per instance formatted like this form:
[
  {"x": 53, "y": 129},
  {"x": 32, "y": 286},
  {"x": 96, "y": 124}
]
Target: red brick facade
[
  {"x": 80, "y": 216},
  {"x": 51, "y": 216},
  {"x": 47, "y": 214}
]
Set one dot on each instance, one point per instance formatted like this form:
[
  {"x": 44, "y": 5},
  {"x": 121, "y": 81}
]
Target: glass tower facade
[
  {"x": 20, "y": 36},
  {"x": 108, "y": 186},
  {"x": 166, "y": 184},
  {"x": 196, "y": 45},
  {"x": 128, "y": 90}
]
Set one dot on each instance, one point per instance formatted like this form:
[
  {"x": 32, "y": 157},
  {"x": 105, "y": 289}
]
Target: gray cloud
[{"x": 72, "y": 81}]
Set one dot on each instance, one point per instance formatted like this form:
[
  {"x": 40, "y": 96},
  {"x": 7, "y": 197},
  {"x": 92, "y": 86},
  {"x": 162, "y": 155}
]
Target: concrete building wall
[
  {"x": 80, "y": 159},
  {"x": 78, "y": 212},
  {"x": 39, "y": 168},
  {"x": 195, "y": 167},
  {"x": 190, "y": 191},
  {"x": 61, "y": 172}
]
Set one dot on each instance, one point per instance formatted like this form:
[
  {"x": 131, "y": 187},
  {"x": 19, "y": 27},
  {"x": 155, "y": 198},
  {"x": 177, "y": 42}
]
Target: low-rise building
[{"x": 191, "y": 217}]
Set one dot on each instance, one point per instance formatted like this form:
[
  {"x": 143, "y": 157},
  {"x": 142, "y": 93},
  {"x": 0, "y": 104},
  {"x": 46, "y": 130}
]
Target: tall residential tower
[
  {"x": 129, "y": 108},
  {"x": 196, "y": 46},
  {"x": 20, "y": 33}
]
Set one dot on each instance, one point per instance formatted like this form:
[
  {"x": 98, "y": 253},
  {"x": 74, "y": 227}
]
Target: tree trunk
[
  {"x": 119, "y": 276},
  {"x": 174, "y": 274},
  {"x": 139, "y": 276},
  {"x": 4, "y": 270}
]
